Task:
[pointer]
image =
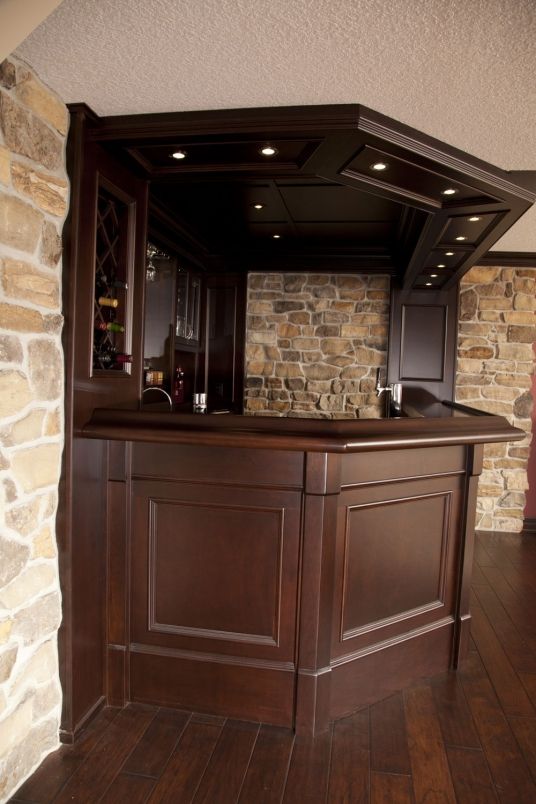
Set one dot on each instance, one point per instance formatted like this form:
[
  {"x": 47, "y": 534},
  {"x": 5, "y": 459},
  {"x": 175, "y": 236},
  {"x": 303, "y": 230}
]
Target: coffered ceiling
[{"x": 461, "y": 72}]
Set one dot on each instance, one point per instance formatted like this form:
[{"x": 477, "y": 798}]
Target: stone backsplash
[
  {"x": 497, "y": 326},
  {"x": 314, "y": 343},
  {"x": 33, "y": 204}
]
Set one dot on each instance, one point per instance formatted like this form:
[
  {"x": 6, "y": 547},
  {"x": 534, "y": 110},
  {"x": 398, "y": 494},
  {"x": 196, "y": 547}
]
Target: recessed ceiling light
[
  {"x": 268, "y": 150},
  {"x": 179, "y": 154},
  {"x": 449, "y": 254},
  {"x": 474, "y": 218},
  {"x": 449, "y": 191},
  {"x": 434, "y": 276},
  {"x": 428, "y": 284},
  {"x": 379, "y": 166},
  {"x": 461, "y": 238},
  {"x": 276, "y": 237},
  {"x": 258, "y": 206},
  {"x": 441, "y": 265}
]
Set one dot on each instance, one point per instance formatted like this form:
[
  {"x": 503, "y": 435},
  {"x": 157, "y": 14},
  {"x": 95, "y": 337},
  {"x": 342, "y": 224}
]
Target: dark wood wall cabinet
[{"x": 283, "y": 571}]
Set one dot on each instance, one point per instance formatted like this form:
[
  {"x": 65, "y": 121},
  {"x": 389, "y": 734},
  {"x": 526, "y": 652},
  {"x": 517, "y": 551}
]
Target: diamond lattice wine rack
[{"x": 111, "y": 286}]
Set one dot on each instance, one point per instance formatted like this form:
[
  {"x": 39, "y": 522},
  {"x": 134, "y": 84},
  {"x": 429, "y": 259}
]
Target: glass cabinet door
[
  {"x": 159, "y": 309},
  {"x": 187, "y": 324}
]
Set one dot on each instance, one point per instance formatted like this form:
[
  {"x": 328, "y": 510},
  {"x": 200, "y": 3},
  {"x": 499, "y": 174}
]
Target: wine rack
[{"x": 111, "y": 286}]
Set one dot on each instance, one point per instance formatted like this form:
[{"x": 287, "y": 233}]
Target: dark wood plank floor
[{"x": 467, "y": 737}]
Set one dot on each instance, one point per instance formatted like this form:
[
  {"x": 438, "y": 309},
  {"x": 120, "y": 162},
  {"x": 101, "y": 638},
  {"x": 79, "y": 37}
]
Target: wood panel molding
[{"x": 214, "y": 511}]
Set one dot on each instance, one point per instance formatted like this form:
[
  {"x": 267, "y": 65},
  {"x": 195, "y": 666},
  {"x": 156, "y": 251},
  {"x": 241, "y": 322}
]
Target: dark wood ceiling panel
[
  {"x": 226, "y": 156},
  {"x": 414, "y": 180},
  {"x": 330, "y": 202},
  {"x": 471, "y": 227},
  {"x": 364, "y": 232}
]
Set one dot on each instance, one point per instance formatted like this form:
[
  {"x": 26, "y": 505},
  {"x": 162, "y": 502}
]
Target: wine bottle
[
  {"x": 118, "y": 283},
  {"x": 105, "y": 302},
  {"x": 110, "y": 326},
  {"x": 120, "y": 357},
  {"x": 178, "y": 386}
]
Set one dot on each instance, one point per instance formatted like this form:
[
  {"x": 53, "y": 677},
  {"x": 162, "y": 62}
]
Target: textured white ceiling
[{"x": 461, "y": 70}]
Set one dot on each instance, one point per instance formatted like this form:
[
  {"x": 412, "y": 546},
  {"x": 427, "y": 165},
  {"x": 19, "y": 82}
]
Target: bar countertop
[{"x": 450, "y": 424}]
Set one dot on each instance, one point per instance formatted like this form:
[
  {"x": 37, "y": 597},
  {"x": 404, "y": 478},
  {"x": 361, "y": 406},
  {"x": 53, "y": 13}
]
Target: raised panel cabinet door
[
  {"x": 214, "y": 584},
  {"x": 397, "y": 548},
  {"x": 215, "y": 569}
]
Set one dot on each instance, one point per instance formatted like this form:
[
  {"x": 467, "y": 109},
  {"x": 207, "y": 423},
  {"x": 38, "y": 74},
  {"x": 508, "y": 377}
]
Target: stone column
[
  {"x": 495, "y": 363},
  {"x": 33, "y": 205}
]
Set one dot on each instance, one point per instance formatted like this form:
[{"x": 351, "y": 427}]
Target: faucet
[
  {"x": 394, "y": 389},
  {"x": 157, "y": 388}
]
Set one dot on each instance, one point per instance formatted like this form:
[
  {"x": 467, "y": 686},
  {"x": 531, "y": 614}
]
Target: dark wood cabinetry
[
  {"x": 285, "y": 571},
  {"x": 196, "y": 324}
]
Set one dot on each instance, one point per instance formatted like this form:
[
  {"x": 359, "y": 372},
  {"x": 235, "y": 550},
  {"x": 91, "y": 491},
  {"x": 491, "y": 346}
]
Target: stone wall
[
  {"x": 313, "y": 344},
  {"x": 33, "y": 203},
  {"x": 495, "y": 362}
]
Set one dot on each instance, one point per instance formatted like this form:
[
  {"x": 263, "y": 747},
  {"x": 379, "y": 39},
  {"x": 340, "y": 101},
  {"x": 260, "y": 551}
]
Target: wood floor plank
[
  {"x": 432, "y": 782},
  {"x": 268, "y": 767},
  {"x": 453, "y": 712},
  {"x": 49, "y": 778},
  {"x": 90, "y": 781},
  {"x": 307, "y": 780},
  {"x": 128, "y": 788},
  {"x": 524, "y": 729},
  {"x": 388, "y": 736},
  {"x": 520, "y": 577},
  {"x": 184, "y": 771},
  {"x": 478, "y": 577},
  {"x": 529, "y": 682},
  {"x": 482, "y": 557},
  {"x": 520, "y": 654},
  {"x": 520, "y": 612},
  {"x": 225, "y": 773},
  {"x": 388, "y": 788},
  {"x": 470, "y": 776},
  {"x": 511, "y": 693},
  {"x": 349, "y": 781},
  {"x": 508, "y": 768},
  {"x": 58, "y": 767},
  {"x": 155, "y": 747}
]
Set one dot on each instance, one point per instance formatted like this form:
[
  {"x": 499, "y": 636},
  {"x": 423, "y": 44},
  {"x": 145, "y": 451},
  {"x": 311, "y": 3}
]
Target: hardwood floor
[{"x": 467, "y": 737}]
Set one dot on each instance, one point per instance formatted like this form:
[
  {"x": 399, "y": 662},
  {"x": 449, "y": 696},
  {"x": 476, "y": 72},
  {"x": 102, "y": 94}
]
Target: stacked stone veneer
[
  {"x": 495, "y": 362},
  {"x": 313, "y": 344},
  {"x": 33, "y": 203}
]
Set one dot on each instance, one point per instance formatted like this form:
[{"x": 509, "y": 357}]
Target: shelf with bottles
[{"x": 110, "y": 344}]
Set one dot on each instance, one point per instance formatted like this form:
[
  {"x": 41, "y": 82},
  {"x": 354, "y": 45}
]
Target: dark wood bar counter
[{"x": 284, "y": 570}]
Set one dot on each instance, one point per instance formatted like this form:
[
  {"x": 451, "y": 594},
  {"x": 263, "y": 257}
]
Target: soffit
[{"x": 462, "y": 72}]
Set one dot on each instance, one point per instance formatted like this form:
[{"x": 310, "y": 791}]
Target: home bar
[{"x": 301, "y": 545}]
